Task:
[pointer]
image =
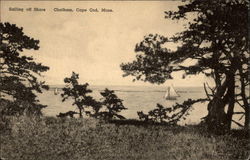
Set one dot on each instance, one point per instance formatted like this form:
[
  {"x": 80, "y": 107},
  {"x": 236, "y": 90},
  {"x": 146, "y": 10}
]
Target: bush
[{"x": 17, "y": 108}]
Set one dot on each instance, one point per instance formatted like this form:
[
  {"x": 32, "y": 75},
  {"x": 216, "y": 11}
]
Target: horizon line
[{"x": 149, "y": 85}]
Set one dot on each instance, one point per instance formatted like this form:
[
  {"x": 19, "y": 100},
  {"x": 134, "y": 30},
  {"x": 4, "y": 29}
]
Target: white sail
[
  {"x": 171, "y": 93},
  {"x": 56, "y": 91}
]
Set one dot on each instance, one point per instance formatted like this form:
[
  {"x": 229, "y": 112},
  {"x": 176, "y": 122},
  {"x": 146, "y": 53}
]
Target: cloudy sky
[{"x": 93, "y": 44}]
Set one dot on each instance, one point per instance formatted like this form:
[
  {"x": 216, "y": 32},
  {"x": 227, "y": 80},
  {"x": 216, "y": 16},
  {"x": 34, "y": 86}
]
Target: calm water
[{"x": 136, "y": 98}]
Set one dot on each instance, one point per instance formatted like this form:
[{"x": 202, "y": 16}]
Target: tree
[
  {"x": 169, "y": 115},
  {"x": 19, "y": 73},
  {"x": 77, "y": 92},
  {"x": 107, "y": 108},
  {"x": 216, "y": 40},
  {"x": 111, "y": 105}
]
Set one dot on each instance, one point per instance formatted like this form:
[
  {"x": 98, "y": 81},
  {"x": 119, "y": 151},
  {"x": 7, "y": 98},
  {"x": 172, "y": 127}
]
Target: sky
[{"x": 93, "y": 44}]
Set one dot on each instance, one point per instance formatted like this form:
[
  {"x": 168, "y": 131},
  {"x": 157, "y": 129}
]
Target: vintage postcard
[{"x": 124, "y": 79}]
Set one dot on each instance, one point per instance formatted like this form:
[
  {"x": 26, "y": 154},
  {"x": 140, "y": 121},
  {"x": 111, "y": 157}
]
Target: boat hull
[{"x": 171, "y": 98}]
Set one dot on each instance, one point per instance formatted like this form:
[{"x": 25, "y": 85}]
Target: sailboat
[
  {"x": 56, "y": 91},
  {"x": 171, "y": 94}
]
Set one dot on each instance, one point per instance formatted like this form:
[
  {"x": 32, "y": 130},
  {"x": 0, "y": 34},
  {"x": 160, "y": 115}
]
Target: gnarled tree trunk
[{"x": 216, "y": 119}]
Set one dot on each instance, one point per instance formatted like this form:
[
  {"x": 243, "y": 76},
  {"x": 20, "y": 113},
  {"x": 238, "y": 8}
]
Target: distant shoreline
[
  {"x": 148, "y": 86},
  {"x": 123, "y": 88}
]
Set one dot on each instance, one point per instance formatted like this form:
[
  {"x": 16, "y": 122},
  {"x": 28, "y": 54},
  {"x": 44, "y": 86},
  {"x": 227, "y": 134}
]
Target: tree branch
[{"x": 237, "y": 123}]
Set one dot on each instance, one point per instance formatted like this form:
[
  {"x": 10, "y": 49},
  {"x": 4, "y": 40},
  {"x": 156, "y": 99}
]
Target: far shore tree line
[{"x": 217, "y": 43}]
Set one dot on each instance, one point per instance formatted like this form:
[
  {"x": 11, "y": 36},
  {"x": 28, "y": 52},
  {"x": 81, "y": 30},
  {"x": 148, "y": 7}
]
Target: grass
[{"x": 80, "y": 139}]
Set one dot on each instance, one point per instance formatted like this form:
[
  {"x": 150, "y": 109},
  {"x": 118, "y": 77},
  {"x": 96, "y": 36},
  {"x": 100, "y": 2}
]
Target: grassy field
[{"x": 80, "y": 139}]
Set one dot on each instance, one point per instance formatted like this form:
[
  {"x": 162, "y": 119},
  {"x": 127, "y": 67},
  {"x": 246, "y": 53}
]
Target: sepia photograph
[{"x": 124, "y": 80}]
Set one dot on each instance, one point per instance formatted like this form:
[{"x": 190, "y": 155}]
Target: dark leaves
[
  {"x": 19, "y": 73},
  {"x": 169, "y": 115},
  {"x": 108, "y": 108},
  {"x": 215, "y": 37},
  {"x": 112, "y": 105}
]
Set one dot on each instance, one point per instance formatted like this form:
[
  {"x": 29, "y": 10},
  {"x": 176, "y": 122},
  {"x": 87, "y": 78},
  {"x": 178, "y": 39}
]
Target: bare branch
[
  {"x": 242, "y": 106},
  {"x": 241, "y": 117},
  {"x": 237, "y": 123},
  {"x": 212, "y": 90},
  {"x": 239, "y": 112},
  {"x": 205, "y": 88}
]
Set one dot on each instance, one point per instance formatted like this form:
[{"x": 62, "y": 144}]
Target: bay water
[{"x": 135, "y": 98}]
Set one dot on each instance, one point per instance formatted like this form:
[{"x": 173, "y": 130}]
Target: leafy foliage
[
  {"x": 113, "y": 105},
  {"x": 169, "y": 115},
  {"x": 67, "y": 114},
  {"x": 19, "y": 73},
  {"x": 107, "y": 108},
  {"x": 78, "y": 92}
]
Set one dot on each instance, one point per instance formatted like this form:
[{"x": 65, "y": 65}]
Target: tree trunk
[
  {"x": 80, "y": 112},
  {"x": 216, "y": 118},
  {"x": 230, "y": 98},
  {"x": 244, "y": 99},
  {"x": 247, "y": 118}
]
